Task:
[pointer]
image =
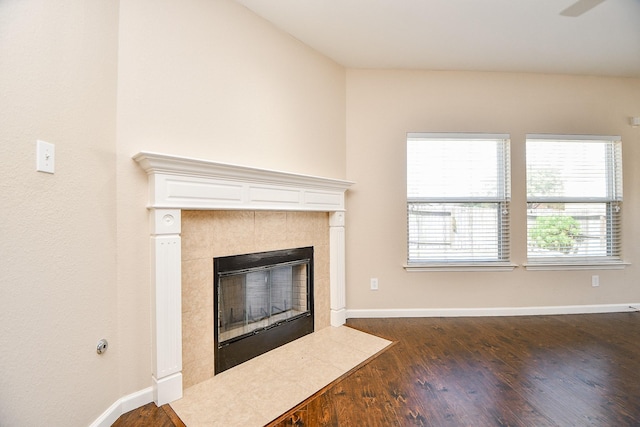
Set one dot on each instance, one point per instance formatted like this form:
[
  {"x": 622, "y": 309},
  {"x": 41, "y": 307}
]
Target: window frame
[
  {"x": 612, "y": 200},
  {"x": 502, "y": 200}
]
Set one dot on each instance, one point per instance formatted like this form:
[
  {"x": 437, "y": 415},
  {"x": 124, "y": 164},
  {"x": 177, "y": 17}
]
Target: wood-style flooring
[
  {"x": 150, "y": 415},
  {"x": 571, "y": 370}
]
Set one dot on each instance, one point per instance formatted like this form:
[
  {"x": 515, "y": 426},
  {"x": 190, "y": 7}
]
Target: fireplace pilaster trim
[{"x": 337, "y": 268}]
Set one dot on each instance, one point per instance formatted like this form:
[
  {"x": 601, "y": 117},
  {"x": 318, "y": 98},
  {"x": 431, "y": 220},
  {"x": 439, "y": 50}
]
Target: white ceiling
[{"x": 482, "y": 35}]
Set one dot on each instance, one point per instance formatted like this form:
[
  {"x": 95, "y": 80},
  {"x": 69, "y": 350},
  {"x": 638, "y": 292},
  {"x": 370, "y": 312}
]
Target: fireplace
[
  {"x": 179, "y": 183},
  {"x": 261, "y": 301}
]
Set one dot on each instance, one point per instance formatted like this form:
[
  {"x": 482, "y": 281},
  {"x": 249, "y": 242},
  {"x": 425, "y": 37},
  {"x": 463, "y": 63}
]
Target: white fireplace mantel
[
  {"x": 180, "y": 183},
  {"x": 183, "y": 183}
]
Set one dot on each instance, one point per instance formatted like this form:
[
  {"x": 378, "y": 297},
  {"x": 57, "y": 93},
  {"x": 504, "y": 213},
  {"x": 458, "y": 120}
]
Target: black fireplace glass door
[{"x": 262, "y": 300}]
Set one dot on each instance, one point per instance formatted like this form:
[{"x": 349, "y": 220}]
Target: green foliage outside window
[{"x": 556, "y": 233}]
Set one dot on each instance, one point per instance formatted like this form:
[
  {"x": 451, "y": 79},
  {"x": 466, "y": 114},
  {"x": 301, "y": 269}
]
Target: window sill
[
  {"x": 585, "y": 265},
  {"x": 488, "y": 266}
]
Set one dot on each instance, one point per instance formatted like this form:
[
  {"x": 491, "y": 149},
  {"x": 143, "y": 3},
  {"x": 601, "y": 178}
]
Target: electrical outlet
[
  {"x": 595, "y": 280},
  {"x": 374, "y": 284}
]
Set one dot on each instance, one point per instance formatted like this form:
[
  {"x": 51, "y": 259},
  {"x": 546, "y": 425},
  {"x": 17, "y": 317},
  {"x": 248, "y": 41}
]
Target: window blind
[
  {"x": 458, "y": 192},
  {"x": 574, "y": 197}
]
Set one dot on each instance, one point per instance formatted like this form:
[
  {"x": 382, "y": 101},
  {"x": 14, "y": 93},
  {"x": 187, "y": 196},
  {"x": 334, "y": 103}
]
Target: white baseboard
[
  {"x": 167, "y": 389},
  {"x": 122, "y": 406},
  {"x": 338, "y": 317},
  {"x": 492, "y": 311}
]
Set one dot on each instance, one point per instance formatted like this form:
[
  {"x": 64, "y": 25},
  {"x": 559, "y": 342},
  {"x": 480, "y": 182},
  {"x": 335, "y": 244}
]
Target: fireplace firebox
[{"x": 261, "y": 301}]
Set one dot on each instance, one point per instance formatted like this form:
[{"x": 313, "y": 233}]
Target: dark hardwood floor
[
  {"x": 572, "y": 370},
  {"x": 150, "y": 415}
]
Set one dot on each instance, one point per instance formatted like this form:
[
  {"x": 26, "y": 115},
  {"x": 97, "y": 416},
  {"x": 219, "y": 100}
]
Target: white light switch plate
[{"x": 45, "y": 157}]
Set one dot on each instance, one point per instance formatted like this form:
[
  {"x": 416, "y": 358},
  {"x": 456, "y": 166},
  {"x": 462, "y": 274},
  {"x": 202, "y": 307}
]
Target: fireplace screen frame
[{"x": 260, "y": 334}]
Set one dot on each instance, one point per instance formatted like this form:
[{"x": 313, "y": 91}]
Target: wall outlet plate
[{"x": 45, "y": 157}]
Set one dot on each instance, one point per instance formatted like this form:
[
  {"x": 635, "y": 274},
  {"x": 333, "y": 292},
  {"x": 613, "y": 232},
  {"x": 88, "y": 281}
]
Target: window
[
  {"x": 574, "y": 196},
  {"x": 457, "y": 198}
]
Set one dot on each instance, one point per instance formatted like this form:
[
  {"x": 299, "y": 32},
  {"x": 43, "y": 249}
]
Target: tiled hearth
[
  {"x": 262, "y": 389},
  {"x": 179, "y": 185}
]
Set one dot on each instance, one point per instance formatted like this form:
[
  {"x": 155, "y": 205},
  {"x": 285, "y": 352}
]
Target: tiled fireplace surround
[
  {"x": 200, "y": 209},
  {"x": 209, "y": 234}
]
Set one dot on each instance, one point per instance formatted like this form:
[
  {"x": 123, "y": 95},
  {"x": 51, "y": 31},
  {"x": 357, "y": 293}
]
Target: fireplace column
[
  {"x": 166, "y": 307},
  {"x": 337, "y": 268}
]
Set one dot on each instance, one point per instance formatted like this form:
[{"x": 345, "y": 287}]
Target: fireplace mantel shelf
[
  {"x": 186, "y": 183},
  {"x": 181, "y": 183}
]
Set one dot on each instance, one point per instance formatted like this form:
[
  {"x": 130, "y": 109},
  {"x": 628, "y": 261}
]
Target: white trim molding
[
  {"x": 122, "y": 406},
  {"x": 492, "y": 311},
  {"x": 585, "y": 265},
  {"x": 184, "y": 183},
  {"x": 488, "y": 266},
  {"x": 180, "y": 183},
  {"x": 337, "y": 269}
]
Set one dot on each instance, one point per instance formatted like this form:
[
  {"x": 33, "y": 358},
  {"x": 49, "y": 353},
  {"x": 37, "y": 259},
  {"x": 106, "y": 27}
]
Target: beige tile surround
[{"x": 208, "y": 234}]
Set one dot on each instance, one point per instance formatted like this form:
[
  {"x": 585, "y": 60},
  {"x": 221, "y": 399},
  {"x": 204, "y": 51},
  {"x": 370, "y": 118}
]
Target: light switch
[{"x": 45, "y": 157}]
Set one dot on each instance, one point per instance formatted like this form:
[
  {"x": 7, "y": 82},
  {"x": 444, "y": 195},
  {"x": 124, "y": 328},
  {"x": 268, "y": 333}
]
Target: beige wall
[
  {"x": 209, "y": 79},
  {"x": 383, "y": 105},
  {"x": 103, "y": 81},
  {"x": 57, "y": 251}
]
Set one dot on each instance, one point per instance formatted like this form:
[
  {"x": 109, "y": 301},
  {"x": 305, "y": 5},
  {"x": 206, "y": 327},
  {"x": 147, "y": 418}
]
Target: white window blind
[
  {"x": 574, "y": 197},
  {"x": 458, "y": 196}
]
